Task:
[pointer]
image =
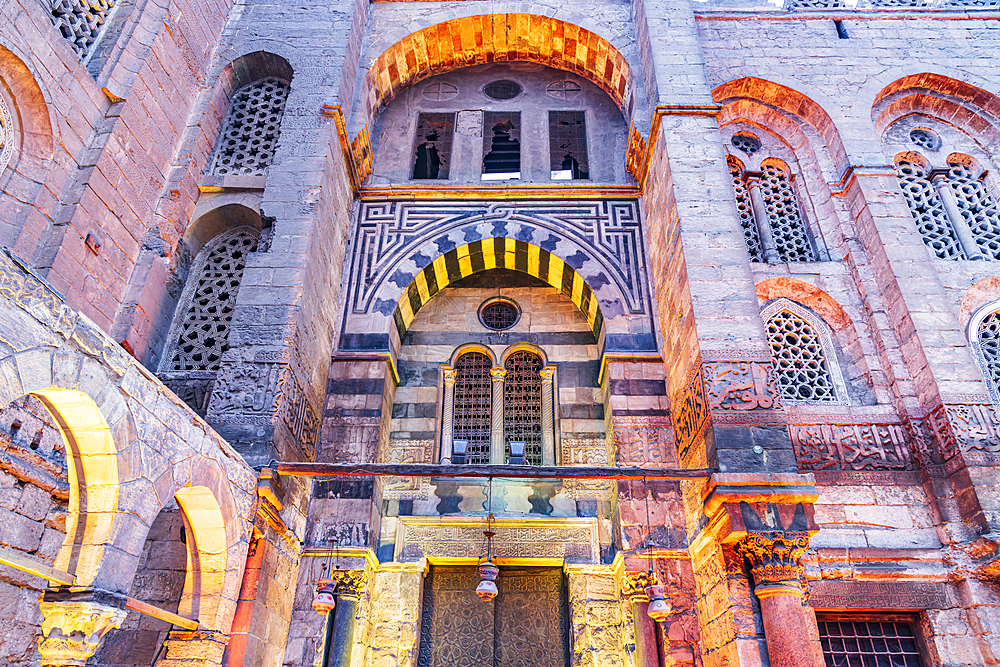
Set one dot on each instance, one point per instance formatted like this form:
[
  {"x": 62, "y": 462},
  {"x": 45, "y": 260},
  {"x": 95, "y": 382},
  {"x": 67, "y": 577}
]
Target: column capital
[
  {"x": 72, "y": 631},
  {"x": 634, "y": 585},
  {"x": 547, "y": 373},
  {"x": 449, "y": 374},
  {"x": 775, "y": 560},
  {"x": 498, "y": 373},
  {"x": 350, "y": 583}
]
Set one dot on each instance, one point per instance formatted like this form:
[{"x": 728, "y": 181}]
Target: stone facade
[{"x": 730, "y": 235}]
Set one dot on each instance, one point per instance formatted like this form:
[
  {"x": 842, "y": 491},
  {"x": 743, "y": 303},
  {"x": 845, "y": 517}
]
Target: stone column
[
  {"x": 350, "y": 588},
  {"x": 939, "y": 177},
  {"x": 644, "y": 628},
  {"x": 448, "y": 413},
  {"x": 497, "y": 444},
  {"x": 777, "y": 574},
  {"x": 763, "y": 221},
  {"x": 548, "y": 417},
  {"x": 72, "y": 631}
]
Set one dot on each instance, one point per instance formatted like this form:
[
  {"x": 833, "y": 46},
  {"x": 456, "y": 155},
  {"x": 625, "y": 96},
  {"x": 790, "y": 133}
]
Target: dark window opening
[
  {"x": 841, "y": 30},
  {"x": 473, "y": 405},
  {"x": 504, "y": 89},
  {"x": 501, "y": 145},
  {"x": 433, "y": 145},
  {"x": 568, "y": 145},
  {"x": 868, "y": 641}
]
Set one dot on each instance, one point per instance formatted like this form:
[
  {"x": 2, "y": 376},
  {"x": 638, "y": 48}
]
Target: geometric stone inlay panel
[{"x": 575, "y": 540}]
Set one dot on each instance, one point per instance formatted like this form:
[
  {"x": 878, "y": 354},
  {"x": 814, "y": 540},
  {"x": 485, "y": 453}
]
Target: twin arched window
[
  {"x": 956, "y": 214},
  {"x": 803, "y": 353},
  {"x": 520, "y": 384}
]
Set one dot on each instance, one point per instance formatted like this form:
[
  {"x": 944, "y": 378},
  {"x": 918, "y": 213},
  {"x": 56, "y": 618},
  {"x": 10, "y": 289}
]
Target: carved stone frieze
[
  {"x": 691, "y": 409},
  {"x": 72, "y": 631},
  {"x": 462, "y": 537},
  {"x": 352, "y": 439},
  {"x": 826, "y": 594},
  {"x": 585, "y": 452},
  {"x": 645, "y": 441},
  {"x": 297, "y": 412},
  {"x": 408, "y": 451},
  {"x": 976, "y": 427},
  {"x": 775, "y": 556},
  {"x": 742, "y": 391},
  {"x": 851, "y": 446},
  {"x": 634, "y": 586}
]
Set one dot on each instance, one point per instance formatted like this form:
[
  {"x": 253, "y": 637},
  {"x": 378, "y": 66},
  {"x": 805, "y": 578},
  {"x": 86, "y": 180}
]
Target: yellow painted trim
[{"x": 441, "y": 272}]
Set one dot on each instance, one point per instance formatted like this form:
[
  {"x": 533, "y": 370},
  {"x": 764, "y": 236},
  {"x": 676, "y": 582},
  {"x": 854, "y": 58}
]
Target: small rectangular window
[
  {"x": 868, "y": 641},
  {"x": 568, "y": 145},
  {"x": 501, "y": 145},
  {"x": 432, "y": 154}
]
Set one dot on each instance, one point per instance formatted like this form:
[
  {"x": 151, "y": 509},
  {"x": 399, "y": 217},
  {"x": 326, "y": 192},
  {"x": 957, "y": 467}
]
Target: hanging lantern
[
  {"x": 658, "y": 608},
  {"x": 487, "y": 588},
  {"x": 324, "y": 602}
]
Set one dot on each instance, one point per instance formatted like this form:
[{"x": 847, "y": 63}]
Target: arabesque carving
[
  {"x": 977, "y": 427},
  {"x": 692, "y": 413},
  {"x": 851, "y": 446},
  {"x": 585, "y": 452},
  {"x": 645, "y": 441},
  {"x": 350, "y": 583},
  {"x": 72, "y": 631},
  {"x": 409, "y": 488},
  {"x": 735, "y": 387}
]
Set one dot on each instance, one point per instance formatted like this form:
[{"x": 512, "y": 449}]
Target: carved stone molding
[
  {"x": 742, "y": 392},
  {"x": 634, "y": 586},
  {"x": 409, "y": 488},
  {"x": 775, "y": 559},
  {"x": 72, "y": 631},
  {"x": 645, "y": 441},
  {"x": 350, "y": 583},
  {"x": 851, "y": 446}
]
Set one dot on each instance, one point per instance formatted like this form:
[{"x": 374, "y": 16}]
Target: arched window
[
  {"x": 249, "y": 135},
  {"x": 473, "y": 405},
  {"x": 956, "y": 214},
  {"x": 199, "y": 334},
  {"x": 522, "y": 390},
  {"x": 787, "y": 226},
  {"x": 802, "y": 351},
  {"x": 987, "y": 346},
  {"x": 745, "y": 207}
]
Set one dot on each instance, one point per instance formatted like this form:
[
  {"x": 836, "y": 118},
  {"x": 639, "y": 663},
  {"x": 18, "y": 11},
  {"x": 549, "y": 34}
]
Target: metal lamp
[
  {"x": 324, "y": 602},
  {"x": 658, "y": 608},
  {"x": 488, "y": 570}
]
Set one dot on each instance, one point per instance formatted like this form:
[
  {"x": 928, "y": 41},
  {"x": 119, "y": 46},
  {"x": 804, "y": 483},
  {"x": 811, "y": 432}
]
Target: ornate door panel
[{"x": 525, "y": 626}]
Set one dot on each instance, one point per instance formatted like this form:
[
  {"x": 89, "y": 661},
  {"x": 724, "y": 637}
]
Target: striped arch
[{"x": 496, "y": 253}]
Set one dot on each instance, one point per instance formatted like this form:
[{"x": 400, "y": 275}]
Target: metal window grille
[
  {"x": 204, "y": 329},
  {"x": 787, "y": 225},
  {"x": 928, "y": 211},
  {"x": 80, "y": 21},
  {"x": 989, "y": 345},
  {"x": 522, "y": 397},
  {"x": 499, "y": 315},
  {"x": 978, "y": 207},
  {"x": 568, "y": 145},
  {"x": 749, "y": 224},
  {"x": 473, "y": 405},
  {"x": 799, "y": 361},
  {"x": 864, "y": 643},
  {"x": 250, "y": 132},
  {"x": 432, "y": 155}
]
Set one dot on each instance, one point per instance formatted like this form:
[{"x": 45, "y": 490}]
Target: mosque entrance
[{"x": 526, "y": 625}]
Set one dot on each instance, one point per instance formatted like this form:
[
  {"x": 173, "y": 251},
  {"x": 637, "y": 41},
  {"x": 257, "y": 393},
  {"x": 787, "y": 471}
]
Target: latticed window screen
[
  {"x": 204, "y": 329},
  {"x": 473, "y": 405},
  {"x": 928, "y": 210},
  {"x": 868, "y": 643},
  {"x": 80, "y": 21},
  {"x": 989, "y": 345},
  {"x": 978, "y": 207},
  {"x": 522, "y": 397},
  {"x": 750, "y": 233},
  {"x": 249, "y": 134},
  {"x": 787, "y": 225},
  {"x": 801, "y": 366}
]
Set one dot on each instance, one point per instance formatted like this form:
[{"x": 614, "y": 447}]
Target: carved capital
[
  {"x": 634, "y": 586},
  {"x": 775, "y": 560},
  {"x": 72, "y": 631},
  {"x": 547, "y": 374},
  {"x": 350, "y": 583},
  {"x": 449, "y": 375},
  {"x": 498, "y": 373}
]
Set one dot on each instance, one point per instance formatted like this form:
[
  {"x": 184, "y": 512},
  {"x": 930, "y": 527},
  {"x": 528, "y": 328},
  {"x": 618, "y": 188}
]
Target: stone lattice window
[
  {"x": 799, "y": 360},
  {"x": 7, "y": 135},
  {"x": 978, "y": 207},
  {"x": 201, "y": 334},
  {"x": 523, "y": 404},
  {"x": 928, "y": 210},
  {"x": 80, "y": 21},
  {"x": 250, "y": 132},
  {"x": 988, "y": 338},
  {"x": 473, "y": 396},
  {"x": 745, "y": 208},
  {"x": 787, "y": 225}
]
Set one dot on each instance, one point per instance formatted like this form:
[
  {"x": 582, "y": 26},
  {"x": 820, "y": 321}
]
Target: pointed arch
[{"x": 496, "y": 253}]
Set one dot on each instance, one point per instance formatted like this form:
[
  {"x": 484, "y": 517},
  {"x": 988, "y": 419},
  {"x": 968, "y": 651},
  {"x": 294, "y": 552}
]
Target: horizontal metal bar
[
  {"x": 162, "y": 614},
  {"x": 19, "y": 561},
  {"x": 498, "y": 471}
]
